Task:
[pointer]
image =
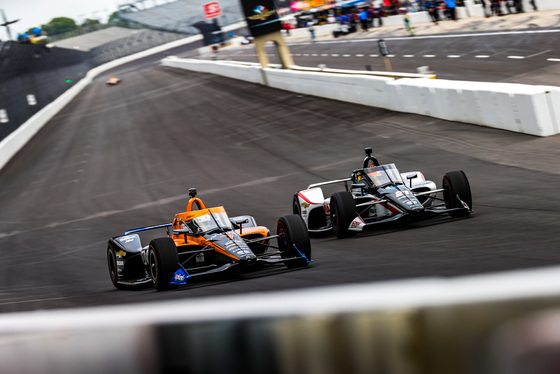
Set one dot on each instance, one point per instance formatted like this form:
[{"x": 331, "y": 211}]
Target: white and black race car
[{"x": 378, "y": 194}]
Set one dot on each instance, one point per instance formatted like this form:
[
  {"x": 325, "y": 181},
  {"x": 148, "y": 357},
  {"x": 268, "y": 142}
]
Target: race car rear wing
[{"x": 330, "y": 182}]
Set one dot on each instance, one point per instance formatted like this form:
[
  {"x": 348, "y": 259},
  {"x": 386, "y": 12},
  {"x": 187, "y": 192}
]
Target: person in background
[
  {"x": 353, "y": 20},
  {"x": 286, "y": 26},
  {"x": 433, "y": 11},
  {"x": 451, "y": 6},
  {"x": 532, "y": 2},
  {"x": 406, "y": 19},
  {"x": 495, "y": 7},
  {"x": 311, "y": 31},
  {"x": 363, "y": 15}
]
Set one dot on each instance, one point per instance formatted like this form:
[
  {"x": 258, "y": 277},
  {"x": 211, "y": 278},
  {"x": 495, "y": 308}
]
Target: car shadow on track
[
  {"x": 224, "y": 278},
  {"x": 397, "y": 227}
]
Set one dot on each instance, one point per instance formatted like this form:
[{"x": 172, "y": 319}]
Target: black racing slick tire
[
  {"x": 163, "y": 262},
  {"x": 455, "y": 184},
  {"x": 112, "y": 264},
  {"x": 292, "y": 232},
  {"x": 342, "y": 212}
]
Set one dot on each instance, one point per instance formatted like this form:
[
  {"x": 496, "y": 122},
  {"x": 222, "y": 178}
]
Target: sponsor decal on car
[
  {"x": 261, "y": 13},
  {"x": 180, "y": 277},
  {"x": 127, "y": 239},
  {"x": 121, "y": 254},
  {"x": 357, "y": 224}
]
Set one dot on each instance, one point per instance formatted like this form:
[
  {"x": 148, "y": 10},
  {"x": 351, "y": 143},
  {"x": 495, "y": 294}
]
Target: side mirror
[
  {"x": 410, "y": 177},
  {"x": 239, "y": 222}
]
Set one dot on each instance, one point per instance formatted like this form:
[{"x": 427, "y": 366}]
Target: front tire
[
  {"x": 296, "y": 208},
  {"x": 163, "y": 262},
  {"x": 455, "y": 183},
  {"x": 292, "y": 233},
  {"x": 112, "y": 264},
  {"x": 343, "y": 212}
]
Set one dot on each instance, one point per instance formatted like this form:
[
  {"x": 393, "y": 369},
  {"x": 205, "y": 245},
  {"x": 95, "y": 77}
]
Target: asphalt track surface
[
  {"x": 527, "y": 57},
  {"x": 122, "y": 157}
]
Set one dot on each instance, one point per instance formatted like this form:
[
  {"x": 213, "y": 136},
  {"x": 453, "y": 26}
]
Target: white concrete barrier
[
  {"x": 359, "y": 89},
  {"x": 416, "y": 326},
  {"x": 541, "y": 5},
  {"x": 246, "y": 72},
  {"x": 514, "y": 107}
]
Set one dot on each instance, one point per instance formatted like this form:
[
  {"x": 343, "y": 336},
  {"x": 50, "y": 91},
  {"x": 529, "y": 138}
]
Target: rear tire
[
  {"x": 455, "y": 183},
  {"x": 343, "y": 212},
  {"x": 163, "y": 261},
  {"x": 292, "y": 232}
]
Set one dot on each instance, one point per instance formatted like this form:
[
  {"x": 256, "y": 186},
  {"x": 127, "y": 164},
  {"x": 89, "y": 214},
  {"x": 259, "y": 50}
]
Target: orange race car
[
  {"x": 113, "y": 81},
  {"x": 204, "y": 241}
]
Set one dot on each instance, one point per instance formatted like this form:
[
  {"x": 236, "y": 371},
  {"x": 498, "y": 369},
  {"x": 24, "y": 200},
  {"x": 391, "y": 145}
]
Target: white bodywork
[{"x": 313, "y": 198}]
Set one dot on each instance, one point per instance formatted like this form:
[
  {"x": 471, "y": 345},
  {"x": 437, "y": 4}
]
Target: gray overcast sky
[{"x": 33, "y": 13}]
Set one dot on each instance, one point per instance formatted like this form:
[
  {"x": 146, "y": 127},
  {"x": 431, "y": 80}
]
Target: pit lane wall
[
  {"x": 505, "y": 323},
  {"x": 527, "y": 109}
]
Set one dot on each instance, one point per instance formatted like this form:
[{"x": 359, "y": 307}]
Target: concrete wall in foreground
[
  {"x": 515, "y": 107},
  {"x": 505, "y": 323}
]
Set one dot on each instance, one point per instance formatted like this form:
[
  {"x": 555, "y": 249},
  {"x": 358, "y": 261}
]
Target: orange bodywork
[
  {"x": 113, "y": 81},
  {"x": 182, "y": 240}
]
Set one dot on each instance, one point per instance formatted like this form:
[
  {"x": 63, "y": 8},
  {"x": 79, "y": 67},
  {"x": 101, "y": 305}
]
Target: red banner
[{"x": 212, "y": 10}]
